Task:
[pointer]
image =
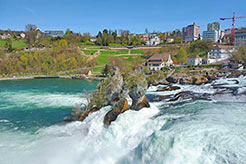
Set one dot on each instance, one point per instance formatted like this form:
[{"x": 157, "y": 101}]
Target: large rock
[
  {"x": 141, "y": 103},
  {"x": 172, "y": 79},
  {"x": 200, "y": 80},
  {"x": 112, "y": 115},
  {"x": 85, "y": 113}
]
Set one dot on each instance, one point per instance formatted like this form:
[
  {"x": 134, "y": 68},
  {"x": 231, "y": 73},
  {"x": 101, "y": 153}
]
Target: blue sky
[{"x": 134, "y": 15}]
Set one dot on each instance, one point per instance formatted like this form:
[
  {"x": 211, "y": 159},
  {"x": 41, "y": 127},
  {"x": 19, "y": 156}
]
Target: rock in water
[
  {"x": 112, "y": 115},
  {"x": 86, "y": 113},
  {"x": 141, "y": 103},
  {"x": 170, "y": 88}
]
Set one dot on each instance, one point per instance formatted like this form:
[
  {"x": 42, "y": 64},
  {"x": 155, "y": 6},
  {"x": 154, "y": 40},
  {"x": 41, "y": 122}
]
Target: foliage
[
  {"x": 240, "y": 55},
  {"x": 8, "y": 45},
  {"x": 182, "y": 56},
  {"x": 201, "y": 45},
  {"x": 41, "y": 62},
  {"x": 156, "y": 76},
  {"x": 111, "y": 38},
  {"x": 32, "y": 34}
]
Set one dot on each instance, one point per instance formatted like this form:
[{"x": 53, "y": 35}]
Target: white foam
[{"x": 41, "y": 99}]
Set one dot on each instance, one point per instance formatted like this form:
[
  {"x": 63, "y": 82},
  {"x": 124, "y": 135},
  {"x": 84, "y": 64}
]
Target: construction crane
[{"x": 233, "y": 25}]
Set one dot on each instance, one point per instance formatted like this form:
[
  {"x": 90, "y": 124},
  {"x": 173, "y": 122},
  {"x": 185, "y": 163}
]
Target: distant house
[
  {"x": 83, "y": 74},
  {"x": 194, "y": 60},
  {"x": 53, "y": 33},
  {"x": 170, "y": 40},
  {"x": 220, "y": 53},
  {"x": 22, "y": 35},
  {"x": 158, "y": 61},
  {"x": 93, "y": 39},
  {"x": 153, "y": 40},
  {"x": 5, "y": 36}
]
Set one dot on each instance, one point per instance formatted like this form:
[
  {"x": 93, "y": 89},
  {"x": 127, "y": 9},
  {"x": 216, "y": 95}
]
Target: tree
[
  {"x": 62, "y": 44},
  {"x": 201, "y": 46},
  {"x": 31, "y": 34},
  {"x": 240, "y": 56},
  {"x": 73, "y": 63},
  {"x": 182, "y": 56},
  {"x": 8, "y": 45}
]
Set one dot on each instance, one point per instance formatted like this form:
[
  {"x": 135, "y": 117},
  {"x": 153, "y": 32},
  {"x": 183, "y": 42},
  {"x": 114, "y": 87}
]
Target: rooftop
[{"x": 162, "y": 57}]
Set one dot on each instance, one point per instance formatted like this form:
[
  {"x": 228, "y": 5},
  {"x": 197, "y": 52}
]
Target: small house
[
  {"x": 194, "y": 60},
  {"x": 153, "y": 40},
  {"x": 158, "y": 61},
  {"x": 220, "y": 53}
]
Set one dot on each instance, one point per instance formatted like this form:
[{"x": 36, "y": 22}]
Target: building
[
  {"x": 240, "y": 37},
  {"x": 22, "y": 35},
  {"x": 194, "y": 60},
  {"x": 48, "y": 33},
  {"x": 158, "y": 61},
  {"x": 191, "y": 33},
  {"x": 214, "y": 26},
  {"x": 5, "y": 36},
  {"x": 170, "y": 40},
  {"x": 212, "y": 35},
  {"x": 220, "y": 53},
  {"x": 153, "y": 40},
  {"x": 213, "y": 32}
]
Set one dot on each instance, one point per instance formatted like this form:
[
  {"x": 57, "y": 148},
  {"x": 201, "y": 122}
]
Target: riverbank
[
  {"x": 34, "y": 77},
  {"x": 49, "y": 77}
]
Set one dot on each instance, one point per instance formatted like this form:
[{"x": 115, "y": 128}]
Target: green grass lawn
[
  {"x": 137, "y": 52},
  {"x": 114, "y": 45},
  {"x": 104, "y": 59},
  {"x": 15, "y": 43},
  {"x": 98, "y": 69},
  {"x": 114, "y": 52},
  {"x": 89, "y": 52}
]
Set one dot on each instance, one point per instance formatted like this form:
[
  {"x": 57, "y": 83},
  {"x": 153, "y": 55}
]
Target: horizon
[{"x": 82, "y": 17}]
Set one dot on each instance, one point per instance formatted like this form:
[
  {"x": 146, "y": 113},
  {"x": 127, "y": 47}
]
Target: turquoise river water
[{"x": 199, "y": 131}]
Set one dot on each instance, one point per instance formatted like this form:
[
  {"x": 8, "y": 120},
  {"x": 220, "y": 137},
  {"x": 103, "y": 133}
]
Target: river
[{"x": 191, "y": 131}]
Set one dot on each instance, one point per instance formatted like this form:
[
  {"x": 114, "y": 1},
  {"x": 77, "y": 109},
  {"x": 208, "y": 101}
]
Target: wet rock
[
  {"x": 236, "y": 73},
  {"x": 69, "y": 119},
  {"x": 200, "y": 80},
  {"x": 85, "y": 113},
  {"x": 172, "y": 79},
  {"x": 120, "y": 108},
  {"x": 170, "y": 88},
  {"x": 141, "y": 103},
  {"x": 186, "y": 80}
]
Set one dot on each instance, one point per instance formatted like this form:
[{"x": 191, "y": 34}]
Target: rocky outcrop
[
  {"x": 120, "y": 108},
  {"x": 137, "y": 94}
]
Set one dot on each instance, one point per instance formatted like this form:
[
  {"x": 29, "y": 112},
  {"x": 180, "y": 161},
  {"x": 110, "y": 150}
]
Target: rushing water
[{"x": 193, "y": 131}]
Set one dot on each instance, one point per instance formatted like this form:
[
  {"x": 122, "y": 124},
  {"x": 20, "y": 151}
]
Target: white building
[
  {"x": 153, "y": 40},
  {"x": 220, "y": 54},
  {"x": 194, "y": 60},
  {"x": 170, "y": 40},
  {"x": 158, "y": 61},
  {"x": 213, "y": 35},
  {"x": 23, "y": 35},
  {"x": 49, "y": 33}
]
